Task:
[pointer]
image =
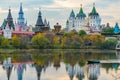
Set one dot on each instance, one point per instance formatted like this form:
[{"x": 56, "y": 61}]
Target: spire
[
  {"x": 21, "y": 10},
  {"x": 10, "y": 20},
  {"x": 81, "y": 13},
  {"x": 94, "y": 9},
  {"x": 72, "y": 14},
  {"x": 45, "y": 23},
  {"x": 39, "y": 20},
  {"x": 39, "y": 11},
  {"x": 93, "y": 12},
  {"x": 9, "y": 14}
]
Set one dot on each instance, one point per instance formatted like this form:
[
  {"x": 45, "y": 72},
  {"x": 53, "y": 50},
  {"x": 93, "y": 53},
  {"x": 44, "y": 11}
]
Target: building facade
[{"x": 76, "y": 22}]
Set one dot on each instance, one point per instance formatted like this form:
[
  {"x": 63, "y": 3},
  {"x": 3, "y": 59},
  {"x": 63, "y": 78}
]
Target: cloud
[{"x": 59, "y": 10}]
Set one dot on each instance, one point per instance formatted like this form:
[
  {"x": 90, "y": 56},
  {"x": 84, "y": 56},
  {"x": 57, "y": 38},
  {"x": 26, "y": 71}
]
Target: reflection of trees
[
  {"x": 56, "y": 61},
  {"x": 109, "y": 66}
]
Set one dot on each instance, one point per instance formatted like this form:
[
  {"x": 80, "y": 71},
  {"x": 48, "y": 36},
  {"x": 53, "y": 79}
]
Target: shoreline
[{"x": 72, "y": 50}]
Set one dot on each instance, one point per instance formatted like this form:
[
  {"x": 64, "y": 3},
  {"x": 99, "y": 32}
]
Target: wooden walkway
[{"x": 110, "y": 61}]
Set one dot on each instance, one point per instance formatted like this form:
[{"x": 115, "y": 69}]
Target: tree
[
  {"x": 15, "y": 42},
  {"x": 82, "y": 33},
  {"x": 1, "y": 38},
  {"x": 5, "y": 43},
  {"x": 108, "y": 31},
  {"x": 24, "y": 41},
  {"x": 40, "y": 40},
  {"x": 109, "y": 44}
]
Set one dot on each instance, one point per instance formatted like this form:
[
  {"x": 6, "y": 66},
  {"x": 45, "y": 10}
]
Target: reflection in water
[
  {"x": 75, "y": 70},
  {"x": 79, "y": 72},
  {"x": 20, "y": 68},
  {"x": 71, "y": 71},
  {"x": 75, "y": 64},
  {"x": 38, "y": 70},
  {"x": 93, "y": 71},
  {"x": 8, "y": 67}
]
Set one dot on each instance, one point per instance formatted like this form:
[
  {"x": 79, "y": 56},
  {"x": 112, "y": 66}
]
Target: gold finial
[
  {"x": 94, "y": 4},
  {"x": 80, "y": 5}
]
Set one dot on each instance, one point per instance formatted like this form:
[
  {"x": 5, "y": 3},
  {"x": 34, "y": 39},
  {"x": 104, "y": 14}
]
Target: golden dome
[{"x": 86, "y": 28}]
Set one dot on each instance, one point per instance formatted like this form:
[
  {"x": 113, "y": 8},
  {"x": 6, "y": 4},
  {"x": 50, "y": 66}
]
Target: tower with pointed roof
[
  {"x": 95, "y": 20},
  {"x": 40, "y": 25},
  {"x": 21, "y": 24},
  {"x": 10, "y": 20},
  {"x": 75, "y": 22}
]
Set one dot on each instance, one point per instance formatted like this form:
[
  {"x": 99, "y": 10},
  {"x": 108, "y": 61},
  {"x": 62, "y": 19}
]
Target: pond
[{"x": 59, "y": 65}]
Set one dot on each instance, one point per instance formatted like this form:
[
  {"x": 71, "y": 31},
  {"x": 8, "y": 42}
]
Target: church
[{"x": 79, "y": 21}]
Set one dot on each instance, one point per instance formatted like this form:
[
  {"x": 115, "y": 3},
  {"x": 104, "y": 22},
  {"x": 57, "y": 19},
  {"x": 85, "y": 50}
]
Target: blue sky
[{"x": 59, "y": 10}]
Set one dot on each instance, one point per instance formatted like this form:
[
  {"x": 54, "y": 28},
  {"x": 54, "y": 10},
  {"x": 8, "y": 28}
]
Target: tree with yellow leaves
[
  {"x": 40, "y": 41},
  {"x": 15, "y": 41}
]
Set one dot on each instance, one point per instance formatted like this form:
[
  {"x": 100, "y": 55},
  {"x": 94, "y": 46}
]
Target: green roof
[
  {"x": 81, "y": 13},
  {"x": 94, "y": 11},
  {"x": 72, "y": 14}
]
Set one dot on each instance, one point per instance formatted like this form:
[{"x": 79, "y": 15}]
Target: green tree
[
  {"x": 82, "y": 33},
  {"x": 15, "y": 41},
  {"x": 40, "y": 40},
  {"x": 109, "y": 44},
  {"x": 1, "y": 38},
  {"x": 108, "y": 31}
]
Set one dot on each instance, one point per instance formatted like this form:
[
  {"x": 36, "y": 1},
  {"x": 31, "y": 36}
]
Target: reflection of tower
[
  {"x": 79, "y": 72},
  {"x": 8, "y": 67},
  {"x": 8, "y": 71},
  {"x": 20, "y": 68},
  {"x": 93, "y": 71},
  {"x": 39, "y": 70},
  {"x": 71, "y": 71}
]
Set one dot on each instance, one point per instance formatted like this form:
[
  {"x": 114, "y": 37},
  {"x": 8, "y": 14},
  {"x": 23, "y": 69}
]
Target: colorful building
[
  {"x": 76, "y": 22},
  {"x": 21, "y": 25}
]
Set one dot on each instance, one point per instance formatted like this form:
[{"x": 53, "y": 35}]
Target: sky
[{"x": 59, "y": 10}]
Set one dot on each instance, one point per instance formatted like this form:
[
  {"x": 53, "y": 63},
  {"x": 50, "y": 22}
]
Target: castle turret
[
  {"x": 72, "y": 15},
  {"x": 10, "y": 20},
  {"x": 39, "y": 24},
  {"x": 95, "y": 20},
  {"x": 21, "y": 25},
  {"x": 81, "y": 14}
]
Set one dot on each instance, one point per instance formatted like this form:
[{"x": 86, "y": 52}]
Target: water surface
[{"x": 59, "y": 65}]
